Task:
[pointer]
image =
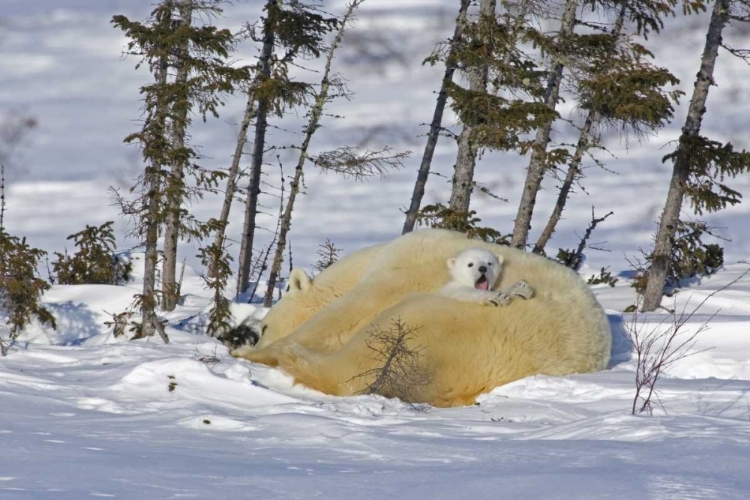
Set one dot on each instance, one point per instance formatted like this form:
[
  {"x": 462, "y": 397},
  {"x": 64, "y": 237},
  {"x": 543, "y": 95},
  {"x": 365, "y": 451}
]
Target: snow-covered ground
[{"x": 84, "y": 414}]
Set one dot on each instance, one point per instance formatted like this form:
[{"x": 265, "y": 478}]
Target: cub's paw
[
  {"x": 500, "y": 299},
  {"x": 521, "y": 289}
]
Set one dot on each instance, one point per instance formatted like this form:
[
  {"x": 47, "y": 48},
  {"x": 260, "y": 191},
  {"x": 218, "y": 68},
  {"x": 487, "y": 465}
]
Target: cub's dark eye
[
  {"x": 471, "y": 264},
  {"x": 489, "y": 263}
]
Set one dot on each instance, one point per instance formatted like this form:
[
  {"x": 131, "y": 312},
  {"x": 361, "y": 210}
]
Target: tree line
[{"x": 505, "y": 67}]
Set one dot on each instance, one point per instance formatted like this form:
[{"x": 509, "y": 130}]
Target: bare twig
[
  {"x": 658, "y": 349},
  {"x": 475, "y": 184},
  {"x": 743, "y": 54},
  {"x": 209, "y": 360},
  {"x": 577, "y": 257}
]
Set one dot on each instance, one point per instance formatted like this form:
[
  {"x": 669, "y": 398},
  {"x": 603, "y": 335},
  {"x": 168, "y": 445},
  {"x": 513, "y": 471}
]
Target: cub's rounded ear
[
  {"x": 299, "y": 281},
  {"x": 451, "y": 262},
  {"x": 500, "y": 258}
]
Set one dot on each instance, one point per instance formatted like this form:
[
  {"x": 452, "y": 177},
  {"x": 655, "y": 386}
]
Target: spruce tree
[
  {"x": 296, "y": 30},
  {"x": 505, "y": 101},
  {"x": 20, "y": 286},
  {"x": 315, "y": 114},
  {"x": 477, "y": 75},
  {"x": 412, "y": 213},
  {"x": 700, "y": 166},
  {"x": 537, "y": 163},
  {"x": 176, "y": 178},
  {"x": 617, "y": 87},
  {"x": 167, "y": 40}
]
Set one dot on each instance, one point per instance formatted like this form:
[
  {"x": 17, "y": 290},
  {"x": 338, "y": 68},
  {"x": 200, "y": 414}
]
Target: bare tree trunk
[
  {"x": 2, "y": 196},
  {"x": 681, "y": 170},
  {"x": 573, "y": 170},
  {"x": 152, "y": 185},
  {"x": 538, "y": 152},
  {"x": 463, "y": 175},
  {"x": 435, "y": 126},
  {"x": 175, "y": 184},
  {"x": 584, "y": 142},
  {"x": 312, "y": 127},
  {"x": 253, "y": 188},
  {"x": 232, "y": 178}
]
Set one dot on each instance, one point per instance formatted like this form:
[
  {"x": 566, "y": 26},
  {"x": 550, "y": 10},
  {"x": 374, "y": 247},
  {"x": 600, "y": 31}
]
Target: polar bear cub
[{"x": 475, "y": 272}]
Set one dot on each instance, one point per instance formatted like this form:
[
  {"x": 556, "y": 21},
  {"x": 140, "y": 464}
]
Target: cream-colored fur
[
  {"x": 468, "y": 348},
  {"x": 308, "y": 296}
]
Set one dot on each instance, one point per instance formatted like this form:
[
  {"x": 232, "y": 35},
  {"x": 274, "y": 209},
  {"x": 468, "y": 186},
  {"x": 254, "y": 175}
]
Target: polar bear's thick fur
[
  {"x": 306, "y": 297},
  {"x": 467, "y": 348}
]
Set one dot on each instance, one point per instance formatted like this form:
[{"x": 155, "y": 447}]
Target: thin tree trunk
[
  {"x": 253, "y": 188},
  {"x": 681, "y": 170},
  {"x": 152, "y": 185},
  {"x": 175, "y": 184},
  {"x": 312, "y": 127},
  {"x": 539, "y": 148},
  {"x": 2, "y": 196},
  {"x": 573, "y": 170},
  {"x": 232, "y": 178},
  {"x": 463, "y": 175},
  {"x": 584, "y": 142},
  {"x": 435, "y": 126}
]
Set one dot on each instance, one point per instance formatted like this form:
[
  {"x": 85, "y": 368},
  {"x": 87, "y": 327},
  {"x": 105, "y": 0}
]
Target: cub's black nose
[{"x": 482, "y": 269}]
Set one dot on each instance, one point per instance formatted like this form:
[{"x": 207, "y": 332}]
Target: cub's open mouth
[{"x": 482, "y": 283}]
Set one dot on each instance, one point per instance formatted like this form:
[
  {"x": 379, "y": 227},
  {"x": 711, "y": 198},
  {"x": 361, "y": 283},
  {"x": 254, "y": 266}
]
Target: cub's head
[{"x": 476, "y": 268}]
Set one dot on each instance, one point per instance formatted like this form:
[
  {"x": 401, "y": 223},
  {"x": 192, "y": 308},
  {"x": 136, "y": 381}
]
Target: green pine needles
[{"x": 20, "y": 286}]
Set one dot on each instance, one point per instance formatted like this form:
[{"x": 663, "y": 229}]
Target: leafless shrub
[
  {"x": 209, "y": 360},
  {"x": 661, "y": 346},
  {"x": 399, "y": 372}
]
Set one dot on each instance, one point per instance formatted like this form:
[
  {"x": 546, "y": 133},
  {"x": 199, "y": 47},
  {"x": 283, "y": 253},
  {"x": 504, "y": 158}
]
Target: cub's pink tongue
[{"x": 482, "y": 284}]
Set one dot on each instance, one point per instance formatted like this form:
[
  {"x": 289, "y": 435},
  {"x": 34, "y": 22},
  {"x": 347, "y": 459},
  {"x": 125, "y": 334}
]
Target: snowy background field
[{"x": 85, "y": 415}]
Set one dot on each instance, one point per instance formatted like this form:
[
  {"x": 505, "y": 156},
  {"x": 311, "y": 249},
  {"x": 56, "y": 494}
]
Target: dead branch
[
  {"x": 577, "y": 257},
  {"x": 359, "y": 166},
  {"x": 475, "y": 184}
]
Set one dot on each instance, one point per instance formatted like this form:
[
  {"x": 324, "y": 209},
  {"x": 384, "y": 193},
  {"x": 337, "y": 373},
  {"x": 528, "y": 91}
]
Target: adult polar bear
[{"x": 318, "y": 333}]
